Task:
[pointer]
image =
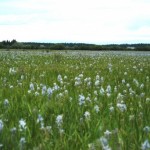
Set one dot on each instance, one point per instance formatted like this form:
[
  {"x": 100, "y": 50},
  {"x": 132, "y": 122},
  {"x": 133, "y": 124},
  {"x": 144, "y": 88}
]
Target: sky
[{"x": 75, "y": 21}]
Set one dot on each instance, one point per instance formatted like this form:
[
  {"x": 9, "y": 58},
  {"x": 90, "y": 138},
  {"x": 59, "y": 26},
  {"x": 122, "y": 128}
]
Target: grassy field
[{"x": 74, "y": 100}]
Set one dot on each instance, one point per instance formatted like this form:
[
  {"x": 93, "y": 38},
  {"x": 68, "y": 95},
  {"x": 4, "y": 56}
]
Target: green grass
[{"x": 124, "y": 73}]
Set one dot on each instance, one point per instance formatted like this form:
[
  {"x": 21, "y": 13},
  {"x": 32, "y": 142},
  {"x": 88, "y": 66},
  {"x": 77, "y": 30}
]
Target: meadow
[{"x": 74, "y": 100}]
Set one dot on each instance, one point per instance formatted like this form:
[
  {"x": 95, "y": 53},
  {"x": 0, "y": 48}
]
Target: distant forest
[{"x": 8, "y": 45}]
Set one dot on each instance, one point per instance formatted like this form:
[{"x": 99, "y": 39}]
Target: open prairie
[{"x": 71, "y": 100}]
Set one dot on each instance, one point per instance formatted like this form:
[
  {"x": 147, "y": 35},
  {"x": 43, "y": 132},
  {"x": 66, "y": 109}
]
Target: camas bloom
[
  {"x": 1, "y": 125},
  {"x": 97, "y": 83},
  {"x": 44, "y": 89},
  {"x": 96, "y": 108},
  {"x": 104, "y": 143},
  {"x": 12, "y": 71},
  {"x": 31, "y": 86},
  {"x": 81, "y": 99},
  {"x": 22, "y": 143},
  {"x": 145, "y": 145},
  {"x": 59, "y": 120},
  {"x": 6, "y": 102},
  {"x": 107, "y": 133},
  {"x": 102, "y": 91},
  {"x": 22, "y": 124},
  {"x": 40, "y": 120},
  {"x": 147, "y": 129},
  {"x": 87, "y": 115},
  {"x": 108, "y": 89},
  {"x": 122, "y": 107},
  {"x": 49, "y": 91}
]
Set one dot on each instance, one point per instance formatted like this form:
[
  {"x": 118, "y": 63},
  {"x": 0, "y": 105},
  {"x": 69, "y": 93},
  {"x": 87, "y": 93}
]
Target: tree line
[{"x": 13, "y": 44}]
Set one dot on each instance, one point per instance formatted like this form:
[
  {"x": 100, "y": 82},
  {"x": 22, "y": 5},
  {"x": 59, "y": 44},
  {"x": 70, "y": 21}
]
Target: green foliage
[{"x": 74, "y": 100}]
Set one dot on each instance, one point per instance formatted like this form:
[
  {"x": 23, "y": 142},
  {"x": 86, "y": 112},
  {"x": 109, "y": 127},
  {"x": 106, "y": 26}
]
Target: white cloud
[{"x": 92, "y": 21}]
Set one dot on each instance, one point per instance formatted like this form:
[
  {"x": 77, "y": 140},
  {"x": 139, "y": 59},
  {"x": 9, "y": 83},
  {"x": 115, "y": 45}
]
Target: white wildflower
[
  {"x": 31, "y": 86},
  {"x": 29, "y": 91},
  {"x": 128, "y": 85},
  {"x": 124, "y": 91},
  {"x": 123, "y": 81},
  {"x": 44, "y": 89},
  {"x": 66, "y": 92},
  {"x": 108, "y": 89},
  {"x": 145, "y": 145},
  {"x": 141, "y": 69},
  {"x": 81, "y": 99},
  {"x": 22, "y": 77},
  {"x": 59, "y": 120},
  {"x": 96, "y": 108},
  {"x": 22, "y": 142},
  {"x": 97, "y": 77},
  {"x": 49, "y": 91},
  {"x": 102, "y": 79},
  {"x": 65, "y": 77},
  {"x": 13, "y": 130},
  {"x": 87, "y": 115},
  {"x": 89, "y": 83},
  {"x": 22, "y": 124},
  {"x": 60, "y": 95},
  {"x": 70, "y": 99},
  {"x": 48, "y": 128},
  {"x": 142, "y": 86},
  {"x": 77, "y": 83},
  {"x": 6, "y": 102},
  {"x": 146, "y": 129},
  {"x": 40, "y": 118},
  {"x": 147, "y": 100},
  {"x": 1, "y": 125},
  {"x": 125, "y": 73},
  {"x": 107, "y": 133},
  {"x": 81, "y": 120},
  {"x": 61, "y": 131},
  {"x": 11, "y": 86},
  {"x": 95, "y": 99},
  {"x": 122, "y": 107},
  {"x": 56, "y": 87},
  {"x": 102, "y": 91},
  {"x": 97, "y": 82},
  {"x": 110, "y": 69},
  {"x": 111, "y": 109},
  {"x": 12, "y": 71},
  {"x": 37, "y": 93},
  {"x": 88, "y": 99},
  {"x": 135, "y": 81},
  {"x": 59, "y": 78},
  {"x": 147, "y": 78},
  {"x": 115, "y": 89},
  {"x": 120, "y": 97},
  {"x": 1, "y": 145},
  {"x": 108, "y": 94},
  {"x": 104, "y": 143},
  {"x": 91, "y": 146},
  {"x": 80, "y": 75},
  {"x": 95, "y": 93},
  {"x": 86, "y": 80},
  {"x": 142, "y": 94}
]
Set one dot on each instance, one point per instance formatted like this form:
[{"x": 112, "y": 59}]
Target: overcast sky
[{"x": 88, "y": 21}]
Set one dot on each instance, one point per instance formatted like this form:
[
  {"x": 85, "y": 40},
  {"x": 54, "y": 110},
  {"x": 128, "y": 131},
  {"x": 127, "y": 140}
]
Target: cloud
[{"x": 92, "y": 21}]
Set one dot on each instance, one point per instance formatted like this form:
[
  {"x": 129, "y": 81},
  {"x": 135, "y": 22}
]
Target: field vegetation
[{"x": 74, "y": 100}]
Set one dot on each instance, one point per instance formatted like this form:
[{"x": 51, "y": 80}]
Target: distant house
[{"x": 131, "y": 47}]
